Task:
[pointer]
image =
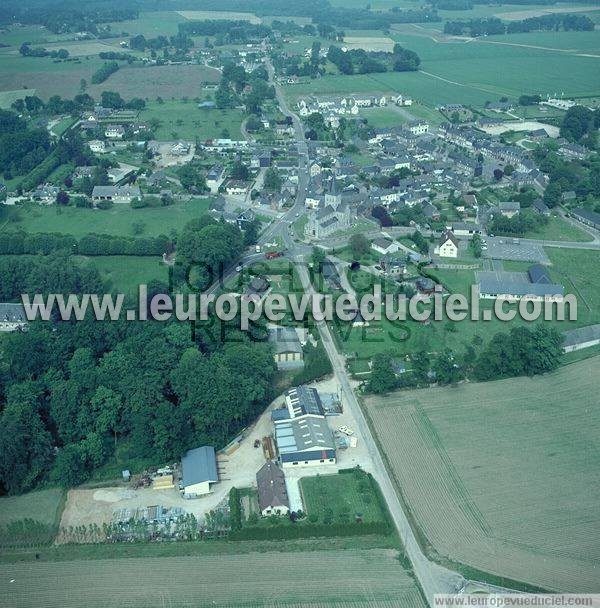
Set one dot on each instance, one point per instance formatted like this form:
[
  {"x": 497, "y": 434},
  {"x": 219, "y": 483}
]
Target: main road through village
[{"x": 432, "y": 577}]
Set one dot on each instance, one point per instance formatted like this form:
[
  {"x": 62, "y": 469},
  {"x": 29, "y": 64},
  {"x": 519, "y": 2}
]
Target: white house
[
  {"x": 509, "y": 208},
  {"x": 12, "y": 317},
  {"x": 447, "y": 246},
  {"x": 418, "y": 128},
  {"x": 236, "y": 187},
  {"x": 272, "y": 493},
  {"x": 114, "y": 131},
  {"x": 97, "y": 146},
  {"x": 198, "y": 471}
]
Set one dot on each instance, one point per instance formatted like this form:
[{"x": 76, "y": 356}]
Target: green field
[
  {"x": 502, "y": 476},
  {"x": 473, "y": 73},
  {"x": 119, "y": 220},
  {"x": 187, "y": 121},
  {"x": 44, "y": 75},
  {"x": 150, "y": 24},
  {"x": 7, "y": 98},
  {"x": 558, "y": 230},
  {"x": 344, "y": 496},
  {"x": 150, "y": 82},
  {"x": 354, "y": 578},
  {"x": 125, "y": 273},
  {"x": 43, "y": 506}
]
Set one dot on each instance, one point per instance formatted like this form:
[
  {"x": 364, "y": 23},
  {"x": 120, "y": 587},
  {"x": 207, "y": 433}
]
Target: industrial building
[{"x": 198, "y": 471}]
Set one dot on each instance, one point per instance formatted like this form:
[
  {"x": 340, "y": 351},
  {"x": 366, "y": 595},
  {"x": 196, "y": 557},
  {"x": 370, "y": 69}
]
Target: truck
[{"x": 271, "y": 255}]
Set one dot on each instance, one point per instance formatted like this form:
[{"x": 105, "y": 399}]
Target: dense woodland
[
  {"x": 359, "y": 61},
  {"x": 72, "y": 393}
]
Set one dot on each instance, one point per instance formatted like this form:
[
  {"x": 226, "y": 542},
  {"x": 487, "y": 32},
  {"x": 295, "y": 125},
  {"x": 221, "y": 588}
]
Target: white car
[{"x": 346, "y": 430}]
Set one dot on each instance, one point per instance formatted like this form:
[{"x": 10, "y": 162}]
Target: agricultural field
[
  {"x": 151, "y": 24},
  {"x": 472, "y": 73},
  {"x": 351, "y": 578},
  {"x": 119, "y": 220},
  {"x": 7, "y": 98},
  {"x": 209, "y": 15},
  {"x": 502, "y": 484},
  {"x": 125, "y": 273},
  {"x": 184, "y": 120},
  {"x": 44, "y": 75},
  {"x": 369, "y": 43},
  {"x": 150, "y": 82},
  {"x": 350, "y": 493}
]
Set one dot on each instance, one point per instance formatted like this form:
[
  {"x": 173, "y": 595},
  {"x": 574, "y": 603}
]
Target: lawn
[
  {"x": 126, "y": 273},
  {"x": 150, "y": 24},
  {"x": 558, "y": 230},
  {"x": 502, "y": 476},
  {"x": 383, "y": 117},
  {"x": 180, "y": 120},
  {"x": 344, "y": 496},
  {"x": 43, "y": 506},
  {"x": 119, "y": 220}
]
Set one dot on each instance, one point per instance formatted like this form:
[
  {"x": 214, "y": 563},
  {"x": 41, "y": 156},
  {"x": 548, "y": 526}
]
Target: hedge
[
  {"x": 307, "y": 530},
  {"x": 15, "y": 243}
]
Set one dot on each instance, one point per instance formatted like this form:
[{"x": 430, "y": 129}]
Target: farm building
[
  {"x": 306, "y": 441},
  {"x": 465, "y": 229},
  {"x": 583, "y": 337},
  {"x": 272, "y": 493},
  {"x": 589, "y": 218},
  {"x": 198, "y": 471},
  {"x": 536, "y": 285},
  {"x": 384, "y": 246},
  {"x": 12, "y": 317},
  {"x": 300, "y": 402},
  {"x": 287, "y": 347}
]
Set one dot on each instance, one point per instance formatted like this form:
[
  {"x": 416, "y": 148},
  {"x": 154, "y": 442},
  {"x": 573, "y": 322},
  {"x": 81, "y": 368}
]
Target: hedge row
[
  {"x": 307, "y": 530},
  {"x": 15, "y": 243}
]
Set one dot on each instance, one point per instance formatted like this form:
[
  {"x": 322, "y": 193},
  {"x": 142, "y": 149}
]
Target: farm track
[
  {"x": 295, "y": 580},
  {"x": 500, "y": 484}
]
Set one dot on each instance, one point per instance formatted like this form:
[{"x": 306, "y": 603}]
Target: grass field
[
  {"x": 352, "y": 578},
  {"x": 42, "y": 506},
  {"x": 499, "y": 482},
  {"x": 150, "y": 82},
  {"x": 118, "y": 221},
  {"x": 150, "y": 24},
  {"x": 45, "y": 76},
  {"x": 8, "y": 97},
  {"x": 190, "y": 122},
  {"x": 558, "y": 230},
  {"x": 343, "y": 495},
  {"x": 229, "y": 15},
  {"x": 473, "y": 73},
  {"x": 125, "y": 273}
]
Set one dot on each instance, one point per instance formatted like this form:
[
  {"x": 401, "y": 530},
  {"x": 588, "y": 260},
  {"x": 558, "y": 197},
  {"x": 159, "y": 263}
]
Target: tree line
[
  {"x": 359, "y": 61},
  {"x": 494, "y": 26}
]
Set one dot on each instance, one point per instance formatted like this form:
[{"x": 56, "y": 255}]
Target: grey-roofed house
[
  {"x": 509, "y": 208},
  {"x": 198, "y": 471},
  {"x": 12, "y": 317},
  {"x": 539, "y": 206},
  {"x": 288, "y": 353},
  {"x": 582, "y": 337},
  {"x": 272, "y": 493},
  {"x": 306, "y": 441},
  {"x": 115, "y": 194}
]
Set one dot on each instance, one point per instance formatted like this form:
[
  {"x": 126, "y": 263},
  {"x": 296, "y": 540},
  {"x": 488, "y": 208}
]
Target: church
[{"x": 333, "y": 216}]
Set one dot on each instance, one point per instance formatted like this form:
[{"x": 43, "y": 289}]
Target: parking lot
[{"x": 504, "y": 248}]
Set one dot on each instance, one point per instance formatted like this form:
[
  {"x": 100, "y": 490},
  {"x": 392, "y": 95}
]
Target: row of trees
[
  {"x": 494, "y": 26},
  {"x": 359, "y": 61},
  {"x": 522, "y": 351}
]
